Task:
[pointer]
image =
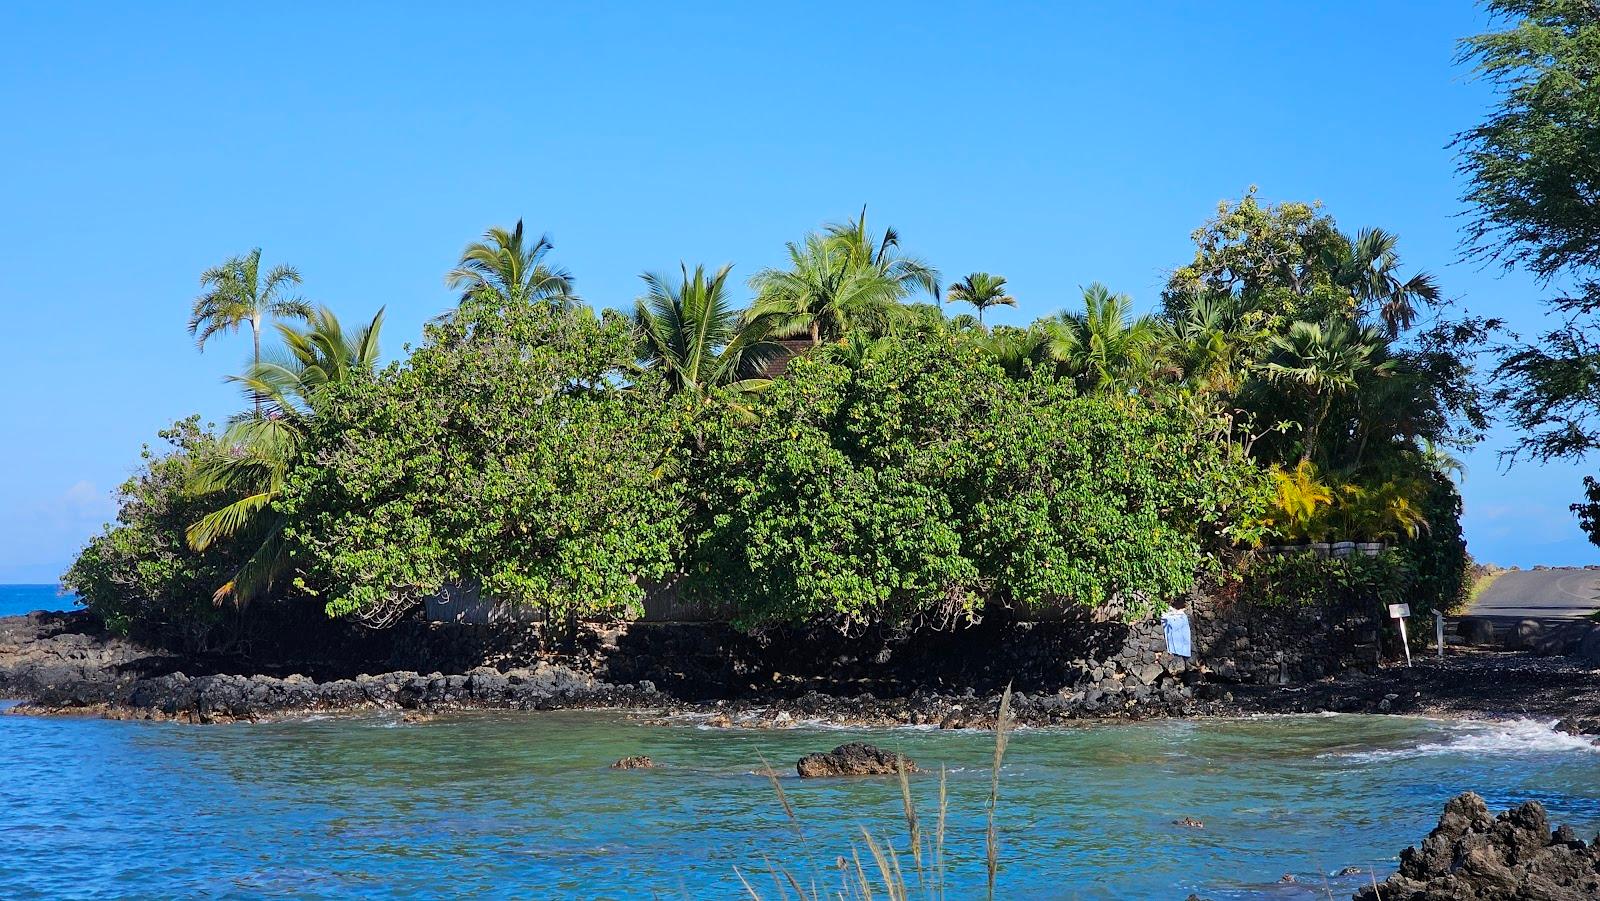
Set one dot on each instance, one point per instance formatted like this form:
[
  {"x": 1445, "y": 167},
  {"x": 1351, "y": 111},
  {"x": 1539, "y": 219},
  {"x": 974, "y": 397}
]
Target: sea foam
[{"x": 1502, "y": 737}]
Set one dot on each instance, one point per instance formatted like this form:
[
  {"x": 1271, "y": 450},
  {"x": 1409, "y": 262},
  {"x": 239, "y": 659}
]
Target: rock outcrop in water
[
  {"x": 1471, "y": 856},
  {"x": 854, "y": 759}
]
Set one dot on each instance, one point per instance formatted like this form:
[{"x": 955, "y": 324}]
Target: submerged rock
[
  {"x": 1472, "y": 856},
  {"x": 854, "y": 759},
  {"x": 640, "y": 762}
]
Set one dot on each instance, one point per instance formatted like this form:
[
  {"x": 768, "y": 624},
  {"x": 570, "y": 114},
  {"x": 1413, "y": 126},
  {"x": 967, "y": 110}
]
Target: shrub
[
  {"x": 139, "y": 575},
  {"x": 503, "y": 454},
  {"x": 918, "y": 483},
  {"x": 1438, "y": 553},
  {"x": 1429, "y": 571}
]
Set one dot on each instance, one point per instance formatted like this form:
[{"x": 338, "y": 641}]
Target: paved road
[{"x": 1540, "y": 594}]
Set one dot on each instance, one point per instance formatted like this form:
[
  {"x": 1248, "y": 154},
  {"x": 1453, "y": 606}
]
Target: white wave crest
[{"x": 1506, "y": 737}]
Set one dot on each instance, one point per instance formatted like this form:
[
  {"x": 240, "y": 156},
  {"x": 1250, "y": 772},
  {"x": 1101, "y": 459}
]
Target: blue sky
[{"x": 366, "y": 143}]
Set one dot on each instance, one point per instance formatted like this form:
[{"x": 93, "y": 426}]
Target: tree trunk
[
  {"x": 1316, "y": 427},
  {"x": 816, "y": 333},
  {"x": 255, "y": 338}
]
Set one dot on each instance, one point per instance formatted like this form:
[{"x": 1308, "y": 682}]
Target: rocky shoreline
[{"x": 66, "y": 664}]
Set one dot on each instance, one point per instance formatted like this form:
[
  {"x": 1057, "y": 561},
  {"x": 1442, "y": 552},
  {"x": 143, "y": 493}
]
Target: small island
[{"x": 1038, "y": 527}]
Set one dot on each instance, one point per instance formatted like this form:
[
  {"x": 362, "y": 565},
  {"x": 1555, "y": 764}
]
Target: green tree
[
  {"x": 139, "y": 575},
  {"x": 237, "y": 293},
  {"x": 1367, "y": 265},
  {"x": 824, "y": 293},
  {"x": 982, "y": 291},
  {"x": 1268, "y": 257},
  {"x": 919, "y": 483},
  {"x": 883, "y": 256},
  {"x": 1105, "y": 345},
  {"x": 1014, "y": 350},
  {"x": 505, "y": 264},
  {"x": 246, "y": 469},
  {"x": 506, "y": 454},
  {"x": 1325, "y": 360},
  {"x": 1207, "y": 346},
  {"x": 1531, "y": 180},
  {"x": 698, "y": 340}
]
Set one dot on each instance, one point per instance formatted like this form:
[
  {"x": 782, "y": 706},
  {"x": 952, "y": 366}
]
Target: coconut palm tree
[
  {"x": 236, "y": 293},
  {"x": 506, "y": 266},
  {"x": 249, "y": 464},
  {"x": 1367, "y": 266},
  {"x": 1105, "y": 345},
  {"x": 823, "y": 293},
  {"x": 1325, "y": 360},
  {"x": 884, "y": 256},
  {"x": 982, "y": 291},
  {"x": 688, "y": 329}
]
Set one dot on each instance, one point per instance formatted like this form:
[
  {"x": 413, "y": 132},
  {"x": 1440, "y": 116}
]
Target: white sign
[{"x": 1398, "y": 613}]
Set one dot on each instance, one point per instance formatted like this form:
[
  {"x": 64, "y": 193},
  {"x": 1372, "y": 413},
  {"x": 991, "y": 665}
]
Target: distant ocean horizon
[{"x": 16, "y": 600}]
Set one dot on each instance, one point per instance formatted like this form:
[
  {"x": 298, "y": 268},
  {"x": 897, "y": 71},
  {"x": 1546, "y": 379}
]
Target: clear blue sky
[{"x": 366, "y": 143}]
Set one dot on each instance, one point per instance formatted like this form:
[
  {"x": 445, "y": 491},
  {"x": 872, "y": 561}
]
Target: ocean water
[
  {"x": 523, "y": 805},
  {"x": 19, "y": 599}
]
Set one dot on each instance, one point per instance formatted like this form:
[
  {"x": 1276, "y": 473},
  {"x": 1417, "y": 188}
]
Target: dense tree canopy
[
  {"x": 903, "y": 467},
  {"x": 505, "y": 454},
  {"x": 923, "y": 482},
  {"x": 1533, "y": 170}
]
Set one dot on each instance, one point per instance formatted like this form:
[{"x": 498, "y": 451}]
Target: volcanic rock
[
  {"x": 854, "y": 759},
  {"x": 1471, "y": 856}
]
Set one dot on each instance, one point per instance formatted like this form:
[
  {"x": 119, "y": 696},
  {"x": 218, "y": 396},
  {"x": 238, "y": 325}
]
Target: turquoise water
[
  {"x": 18, "y": 599},
  {"x": 524, "y": 806}
]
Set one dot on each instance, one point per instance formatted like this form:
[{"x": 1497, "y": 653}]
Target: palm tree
[
  {"x": 1206, "y": 346},
  {"x": 251, "y": 461},
  {"x": 1105, "y": 346},
  {"x": 689, "y": 330},
  {"x": 1440, "y": 460},
  {"x": 1325, "y": 359},
  {"x": 1367, "y": 265},
  {"x": 504, "y": 265},
  {"x": 983, "y": 291},
  {"x": 236, "y": 293},
  {"x": 1013, "y": 349},
  {"x": 883, "y": 255},
  {"x": 823, "y": 294}
]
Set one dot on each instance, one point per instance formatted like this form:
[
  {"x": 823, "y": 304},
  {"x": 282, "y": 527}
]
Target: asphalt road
[{"x": 1540, "y": 594}]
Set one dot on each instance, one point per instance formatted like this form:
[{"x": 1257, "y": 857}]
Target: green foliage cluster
[
  {"x": 506, "y": 454},
  {"x": 140, "y": 575},
  {"x": 1530, "y": 173},
  {"x": 1429, "y": 571},
  {"x": 923, "y": 482},
  {"x": 830, "y": 452}
]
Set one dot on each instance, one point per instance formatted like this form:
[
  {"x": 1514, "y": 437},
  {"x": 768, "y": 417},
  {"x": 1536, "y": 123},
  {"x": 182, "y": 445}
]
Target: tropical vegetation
[
  {"x": 833, "y": 447},
  {"x": 1530, "y": 172}
]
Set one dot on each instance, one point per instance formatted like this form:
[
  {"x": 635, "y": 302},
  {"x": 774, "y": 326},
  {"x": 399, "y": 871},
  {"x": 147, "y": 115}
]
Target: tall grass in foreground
[{"x": 884, "y": 869}]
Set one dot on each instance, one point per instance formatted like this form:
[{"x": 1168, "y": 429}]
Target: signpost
[{"x": 1399, "y": 612}]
